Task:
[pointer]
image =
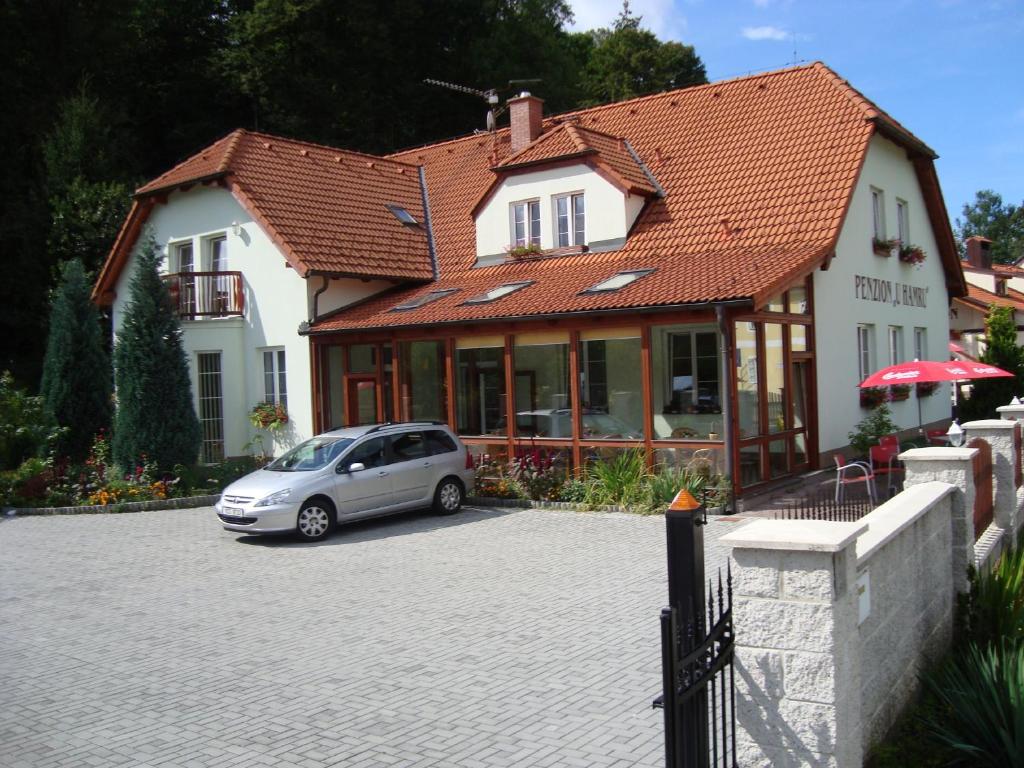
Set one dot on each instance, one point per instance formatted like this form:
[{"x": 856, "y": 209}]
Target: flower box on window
[
  {"x": 872, "y": 397},
  {"x": 883, "y": 247},
  {"x": 898, "y": 392},
  {"x": 926, "y": 388},
  {"x": 272, "y": 416},
  {"x": 525, "y": 251},
  {"x": 912, "y": 254}
]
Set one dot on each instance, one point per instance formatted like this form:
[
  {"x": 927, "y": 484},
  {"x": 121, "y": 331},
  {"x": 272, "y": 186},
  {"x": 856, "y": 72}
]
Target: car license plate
[{"x": 233, "y": 511}]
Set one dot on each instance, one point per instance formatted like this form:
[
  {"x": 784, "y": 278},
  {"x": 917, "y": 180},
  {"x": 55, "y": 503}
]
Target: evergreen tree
[
  {"x": 76, "y": 368},
  {"x": 1002, "y": 351},
  {"x": 155, "y": 420}
]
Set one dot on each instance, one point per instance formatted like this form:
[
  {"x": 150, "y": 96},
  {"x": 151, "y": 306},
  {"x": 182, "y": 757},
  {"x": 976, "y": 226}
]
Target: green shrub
[
  {"x": 620, "y": 481},
  {"x": 875, "y": 425},
  {"x": 666, "y": 482},
  {"x": 24, "y": 430},
  {"x": 981, "y": 694},
  {"x": 993, "y": 612},
  {"x": 573, "y": 491},
  {"x": 26, "y": 486}
]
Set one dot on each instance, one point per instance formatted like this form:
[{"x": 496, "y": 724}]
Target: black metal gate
[{"x": 698, "y": 680}]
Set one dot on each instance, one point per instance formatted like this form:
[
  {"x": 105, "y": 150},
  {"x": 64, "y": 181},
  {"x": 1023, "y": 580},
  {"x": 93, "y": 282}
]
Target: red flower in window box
[
  {"x": 898, "y": 392},
  {"x": 912, "y": 254},
  {"x": 872, "y": 397}
]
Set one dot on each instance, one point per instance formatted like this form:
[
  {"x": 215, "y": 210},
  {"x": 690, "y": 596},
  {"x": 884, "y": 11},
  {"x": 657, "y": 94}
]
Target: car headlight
[{"x": 274, "y": 498}]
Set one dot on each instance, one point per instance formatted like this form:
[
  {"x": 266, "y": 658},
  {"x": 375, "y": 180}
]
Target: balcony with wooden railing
[{"x": 206, "y": 294}]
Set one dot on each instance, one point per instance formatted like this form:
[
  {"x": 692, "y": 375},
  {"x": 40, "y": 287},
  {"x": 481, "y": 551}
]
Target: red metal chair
[
  {"x": 884, "y": 461},
  {"x": 937, "y": 437},
  {"x": 845, "y": 478}
]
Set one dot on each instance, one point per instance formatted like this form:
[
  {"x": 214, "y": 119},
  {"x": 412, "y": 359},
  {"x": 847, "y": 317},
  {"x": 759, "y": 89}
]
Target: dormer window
[
  {"x": 570, "y": 220},
  {"x": 525, "y": 216}
]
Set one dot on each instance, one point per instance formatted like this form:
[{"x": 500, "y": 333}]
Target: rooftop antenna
[{"x": 494, "y": 111}]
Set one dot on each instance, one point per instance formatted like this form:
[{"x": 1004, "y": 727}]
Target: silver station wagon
[{"x": 351, "y": 474}]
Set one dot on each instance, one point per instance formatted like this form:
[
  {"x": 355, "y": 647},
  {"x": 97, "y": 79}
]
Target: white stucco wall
[
  {"x": 840, "y": 303},
  {"x": 277, "y": 300},
  {"x": 609, "y": 211}
]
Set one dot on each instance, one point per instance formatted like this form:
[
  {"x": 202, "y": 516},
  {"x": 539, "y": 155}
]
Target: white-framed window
[
  {"x": 878, "y": 213},
  {"x": 525, "y": 223},
  {"x": 895, "y": 344},
  {"x": 920, "y": 343},
  {"x": 570, "y": 220},
  {"x": 903, "y": 221},
  {"x": 218, "y": 249},
  {"x": 184, "y": 257},
  {"x": 275, "y": 384},
  {"x": 865, "y": 350}
]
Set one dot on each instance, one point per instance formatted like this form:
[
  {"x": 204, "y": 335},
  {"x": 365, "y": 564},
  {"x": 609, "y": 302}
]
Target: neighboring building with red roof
[
  {"x": 688, "y": 271},
  {"x": 988, "y": 285}
]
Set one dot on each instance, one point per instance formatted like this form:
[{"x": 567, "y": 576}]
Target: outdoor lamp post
[{"x": 955, "y": 434}]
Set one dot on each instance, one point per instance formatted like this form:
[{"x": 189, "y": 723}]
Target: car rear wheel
[
  {"x": 448, "y": 497},
  {"x": 315, "y": 520}
]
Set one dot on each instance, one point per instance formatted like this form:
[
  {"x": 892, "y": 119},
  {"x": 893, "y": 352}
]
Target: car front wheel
[
  {"x": 448, "y": 497},
  {"x": 315, "y": 521}
]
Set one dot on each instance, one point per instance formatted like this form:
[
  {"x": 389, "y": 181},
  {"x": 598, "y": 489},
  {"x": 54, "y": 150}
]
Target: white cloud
[
  {"x": 765, "y": 33},
  {"x": 659, "y": 16}
]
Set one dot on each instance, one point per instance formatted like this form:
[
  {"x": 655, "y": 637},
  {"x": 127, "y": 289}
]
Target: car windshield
[{"x": 312, "y": 454}]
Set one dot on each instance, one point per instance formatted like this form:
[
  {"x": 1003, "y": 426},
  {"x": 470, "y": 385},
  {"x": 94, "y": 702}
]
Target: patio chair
[
  {"x": 884, "y": 460},
  {"x": 846, "y": 474},
  {"x": 937, "y": 437}
]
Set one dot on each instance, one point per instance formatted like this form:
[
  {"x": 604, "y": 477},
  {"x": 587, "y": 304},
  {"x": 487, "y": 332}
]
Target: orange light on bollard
[{"x": 684, "y": 502}]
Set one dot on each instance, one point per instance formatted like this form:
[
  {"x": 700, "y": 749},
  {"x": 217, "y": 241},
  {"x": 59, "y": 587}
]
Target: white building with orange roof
[{"x": 711, "y": 269}]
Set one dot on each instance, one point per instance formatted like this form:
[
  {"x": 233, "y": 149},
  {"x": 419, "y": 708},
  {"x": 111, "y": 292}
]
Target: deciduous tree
[
  {"x": 1002, "y": 223},
  {"x": 1002, "y": 351}
]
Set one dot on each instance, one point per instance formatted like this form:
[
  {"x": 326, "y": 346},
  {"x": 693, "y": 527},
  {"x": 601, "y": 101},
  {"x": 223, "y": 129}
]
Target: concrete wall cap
[
  {"x": 1010, "y": 409},
  {"x": 795, "y": 535},
  {"x": 989, "y": 424},
  {"x": 887, "y": 521},
  {"x": 939, "y": 454}
]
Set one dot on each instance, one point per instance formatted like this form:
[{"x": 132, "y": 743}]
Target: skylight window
[
  {"x": 496, "y": 293},
  {"x": 422, "y": 300},
  {"x": 618, "y": 281},
  {"x": 402, "y": 215}
]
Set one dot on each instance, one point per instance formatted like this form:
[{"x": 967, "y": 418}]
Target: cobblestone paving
[{"x": 492, "y": 638}]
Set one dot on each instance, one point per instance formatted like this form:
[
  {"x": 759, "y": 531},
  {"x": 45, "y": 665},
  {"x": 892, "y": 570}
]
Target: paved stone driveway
[{"x": 492, "y": 638}]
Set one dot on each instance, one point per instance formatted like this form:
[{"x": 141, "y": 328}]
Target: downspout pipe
[
  {"x": 316, "y": 299},
  {"x": 725, "y": 344}
]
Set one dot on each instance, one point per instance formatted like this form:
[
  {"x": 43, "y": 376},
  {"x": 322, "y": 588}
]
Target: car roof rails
[{"x": 391, "y": 424}]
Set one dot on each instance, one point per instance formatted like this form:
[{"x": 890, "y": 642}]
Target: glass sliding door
[
  {"x": 424, "y": 389},
  {"x": 542, "y": 400},
  {"x": 611, "y": 384},
  {"x": 480, "y": 385}
]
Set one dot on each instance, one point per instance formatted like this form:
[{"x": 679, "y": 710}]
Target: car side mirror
[{"x": 355, "y": 466}]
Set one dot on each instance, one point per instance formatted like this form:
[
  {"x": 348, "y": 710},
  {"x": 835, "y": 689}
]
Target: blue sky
[{"x": 952, "y": 71}]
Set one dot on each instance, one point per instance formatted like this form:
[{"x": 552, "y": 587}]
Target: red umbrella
[{"x": 930, "y": 370}]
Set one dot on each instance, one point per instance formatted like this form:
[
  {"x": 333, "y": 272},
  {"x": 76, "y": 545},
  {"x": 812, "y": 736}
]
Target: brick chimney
[
  {"x": 525, "y": 113},
  {"x": 978, "y": 253}
]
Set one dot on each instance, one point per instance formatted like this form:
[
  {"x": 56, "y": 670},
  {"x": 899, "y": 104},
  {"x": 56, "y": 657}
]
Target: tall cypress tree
[
  {"x": 155, "y": 418},
  {"x": 76, "y": 381}
]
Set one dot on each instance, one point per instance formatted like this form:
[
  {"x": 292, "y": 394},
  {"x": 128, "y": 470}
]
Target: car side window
[
  {"x": 408, "y": 446},
  {"x": 439, "y": 442},
  {"x": 370, "y": 454}
]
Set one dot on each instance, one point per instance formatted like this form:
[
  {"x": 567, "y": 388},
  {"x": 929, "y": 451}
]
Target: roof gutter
[{"x": 693, "y": 307}]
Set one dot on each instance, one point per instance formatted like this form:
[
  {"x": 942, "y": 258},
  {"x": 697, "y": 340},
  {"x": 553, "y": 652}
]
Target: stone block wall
[{"x": 910, "y": 602}]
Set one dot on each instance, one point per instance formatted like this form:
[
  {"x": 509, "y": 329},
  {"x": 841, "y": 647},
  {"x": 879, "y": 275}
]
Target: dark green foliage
[
  {"x": 76, "y": 385},
  {"x": 202, "y": 479},
  {"x": 980, "y": 713},
  {"x": 1001, "y": 350},
  {"x": 627, "y": 61},
  {"x": 878, "y": 423},
  {"x": 155, "y": 420},
  {"x": 24, "y": 432},
  {"x": 1002, "y": 223},
  {"x": 993, "y": 612}
]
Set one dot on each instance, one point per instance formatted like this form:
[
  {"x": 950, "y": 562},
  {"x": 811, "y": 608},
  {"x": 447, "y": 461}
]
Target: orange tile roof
[
  {"x": 1003, "y": 270},
  {"x": 323, "y": 207},
  {"x": 758, "y": 173},
  {"x": 570, "y": 140},
  {"x": 983, "y": 299}
]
